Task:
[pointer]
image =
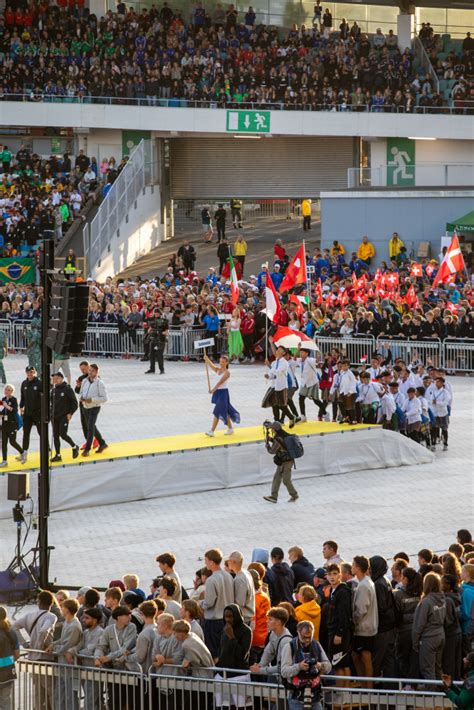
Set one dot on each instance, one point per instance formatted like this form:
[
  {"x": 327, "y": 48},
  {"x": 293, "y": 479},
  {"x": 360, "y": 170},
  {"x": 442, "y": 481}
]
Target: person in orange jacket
[{"x": 309, "y": 609}]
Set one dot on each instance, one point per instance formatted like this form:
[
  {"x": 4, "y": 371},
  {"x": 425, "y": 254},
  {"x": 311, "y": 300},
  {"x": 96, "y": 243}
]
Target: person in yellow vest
[
  {"x": 236, "y": 209},
  {"x": 366, "y": 250},
  {"x": 394, "y": 245},
  {"x": 306, "y": 212},
  {"x": 240, "y": 251},
  {"x": 70, "y": 266},
  {"x": 337, "y": 248}
]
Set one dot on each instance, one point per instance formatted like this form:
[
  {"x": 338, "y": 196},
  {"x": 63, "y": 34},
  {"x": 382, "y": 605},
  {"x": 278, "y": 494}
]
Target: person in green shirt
[
  {"x": 64, "y": 209},
  {"x": 462, "y": 696},
  {"x": 5, "y": 158}
]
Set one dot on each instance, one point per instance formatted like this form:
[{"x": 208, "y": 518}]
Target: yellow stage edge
[{"x": 180, "y": 443}]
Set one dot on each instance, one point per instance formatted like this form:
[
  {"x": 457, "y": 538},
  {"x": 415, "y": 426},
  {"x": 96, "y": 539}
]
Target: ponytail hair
[{"x": 5, "y": 624}]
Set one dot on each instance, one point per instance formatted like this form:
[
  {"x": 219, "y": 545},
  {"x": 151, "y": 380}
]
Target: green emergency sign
[{"x": 248, "y": 121}]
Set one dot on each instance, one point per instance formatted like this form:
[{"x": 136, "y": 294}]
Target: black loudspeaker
[
  {"x": 68, "y": 318},
  {"x": 18, "y": 486}
]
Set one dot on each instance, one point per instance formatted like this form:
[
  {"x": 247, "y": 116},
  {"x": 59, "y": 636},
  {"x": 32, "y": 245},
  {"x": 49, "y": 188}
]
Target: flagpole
[{"x": 308, "y": 284}]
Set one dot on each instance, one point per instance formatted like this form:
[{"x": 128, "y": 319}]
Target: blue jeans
[{"x": 298, "y": 705}]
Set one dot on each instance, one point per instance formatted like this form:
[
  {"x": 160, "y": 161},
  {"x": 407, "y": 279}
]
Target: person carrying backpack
[
  {"x": 303, "y": 661},
  {"x": 286, "y": 448}
]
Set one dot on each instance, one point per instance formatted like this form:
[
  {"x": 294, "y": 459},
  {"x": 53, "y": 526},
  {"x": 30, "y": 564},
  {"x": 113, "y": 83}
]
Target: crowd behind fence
[
  {"x": 46, "y": 684},
  {"x": 103, "y": 340}
]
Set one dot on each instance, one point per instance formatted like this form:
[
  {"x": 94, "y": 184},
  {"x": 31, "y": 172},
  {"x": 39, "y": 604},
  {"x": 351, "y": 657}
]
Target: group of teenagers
[
  {"x": 270, "y": 621},
  {"x": 406, "y": 398}
]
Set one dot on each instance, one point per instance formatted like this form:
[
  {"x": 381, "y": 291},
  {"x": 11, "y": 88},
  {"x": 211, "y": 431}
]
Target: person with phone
[{"x": 10, "y": 423}]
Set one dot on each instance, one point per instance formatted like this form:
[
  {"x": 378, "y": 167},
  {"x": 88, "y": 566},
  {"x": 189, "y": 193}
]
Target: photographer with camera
[
  {"x": 302, "y": 662},
  {"x": 157, "y": 336},
  {"x": 285, "y": 448}
]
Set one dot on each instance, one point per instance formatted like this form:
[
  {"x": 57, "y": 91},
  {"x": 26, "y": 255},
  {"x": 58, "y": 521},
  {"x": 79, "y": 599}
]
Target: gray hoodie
[
  {"x": 169, "y": 647},
  {"x": 430, "y": 615},
  {"x": 364, "y": 608},
  {"x": 40, "y": 632},
  {"x": 143, "y": 653},
  {"x": 114, "y": 642},
  {"x": 85, "y": 650},
  {"x": 289, "y": 668},
  {"x": 218, "y": 593},
  {"x": 272, "y": 653},
  {"x": 198, "y": 655},
  {"x": 71, "y": 636},
  {"x": 244, "y": 594}
]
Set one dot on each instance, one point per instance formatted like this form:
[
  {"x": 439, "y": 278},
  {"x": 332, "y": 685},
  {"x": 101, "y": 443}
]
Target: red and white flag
[
  {"x": 416, "y": 270},
  {"x": 452, "y": 263},
  {"x": 272, "y": 302},
  {"x": 391, "y": 281},
  {"x": 411, "y": 299},
  {"x": 295, "y": 271}
]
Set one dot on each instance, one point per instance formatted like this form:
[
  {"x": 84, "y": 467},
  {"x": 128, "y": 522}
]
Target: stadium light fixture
[{"x": 421, "y": 138}]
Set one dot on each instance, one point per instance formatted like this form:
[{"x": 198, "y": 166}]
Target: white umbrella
[
  {"x": 289, "y": 341},
  {"x": 309, "y": 345}
]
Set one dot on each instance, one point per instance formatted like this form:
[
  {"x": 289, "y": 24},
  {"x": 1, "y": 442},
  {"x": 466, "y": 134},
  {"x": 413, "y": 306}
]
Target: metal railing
[
  {"x": 460, "y": 107},
  {"x": 44, "y": 684},
  {"x": 138, "y": 172},
  {"x": 428, "y": 174},
  {"x": 424, "y": 60}
]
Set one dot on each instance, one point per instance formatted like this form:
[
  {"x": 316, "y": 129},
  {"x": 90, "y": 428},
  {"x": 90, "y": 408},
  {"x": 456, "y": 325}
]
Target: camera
[{"x": 268, "y": 432}]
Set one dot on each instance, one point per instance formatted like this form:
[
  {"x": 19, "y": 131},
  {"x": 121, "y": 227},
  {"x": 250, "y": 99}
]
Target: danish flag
[{"x": 452, "y": 263}]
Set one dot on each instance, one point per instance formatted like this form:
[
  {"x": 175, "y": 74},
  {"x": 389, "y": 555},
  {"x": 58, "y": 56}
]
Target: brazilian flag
[{"x": 18, "y": 271}]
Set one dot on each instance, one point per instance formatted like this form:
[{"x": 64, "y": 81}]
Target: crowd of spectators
[
  {"x": 414, "y": 621},
  {"x": 40, "y": 197},
  {"x": 221, "y": 58}
]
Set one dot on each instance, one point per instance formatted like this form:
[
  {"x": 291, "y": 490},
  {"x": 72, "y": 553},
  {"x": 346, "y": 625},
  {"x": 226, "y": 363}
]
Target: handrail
[
  {"x": 425, "y": 61},
  {"x": 157, "y": 102}
]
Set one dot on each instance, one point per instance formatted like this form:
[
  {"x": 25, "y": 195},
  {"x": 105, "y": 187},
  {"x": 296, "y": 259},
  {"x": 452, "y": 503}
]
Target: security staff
[
  {"x": 30, "y": 408},
  {"x": 70, "y": 268},
  {"x": 236, "y": 209},
  {"x": 64, "y": 406},
  {"x": 158, "y": 333}
]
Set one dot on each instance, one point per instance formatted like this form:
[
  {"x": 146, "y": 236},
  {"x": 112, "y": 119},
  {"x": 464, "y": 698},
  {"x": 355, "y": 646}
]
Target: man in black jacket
[
  {"x": 64, "y": 406},
  {"x": 301, "y": 566},
  {"x": 384, "y": 650},
  {"x": 30, "y": 408},
  {"x": 280, "y": 579},
  {"x": 339, "y": 621}
]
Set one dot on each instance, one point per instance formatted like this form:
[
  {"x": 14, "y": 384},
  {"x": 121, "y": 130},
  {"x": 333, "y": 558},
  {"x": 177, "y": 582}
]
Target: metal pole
[{"x": 46, "y": 357}]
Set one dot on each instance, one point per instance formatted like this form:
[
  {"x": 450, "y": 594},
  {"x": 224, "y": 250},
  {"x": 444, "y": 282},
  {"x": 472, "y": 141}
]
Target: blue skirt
[{"x": 223, "y": 408}]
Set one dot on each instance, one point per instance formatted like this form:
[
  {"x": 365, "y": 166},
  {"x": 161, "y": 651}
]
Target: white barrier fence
[{"x": 104, "y": 339}]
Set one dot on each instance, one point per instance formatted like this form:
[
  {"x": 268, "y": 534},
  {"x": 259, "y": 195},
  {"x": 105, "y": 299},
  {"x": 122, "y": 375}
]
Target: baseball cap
[
  {"x": 57, "y": 374},
  {"x": 277, "y": 426},
  {"x": 30, "y": 368},
  {"x": 321, "y": 573}
]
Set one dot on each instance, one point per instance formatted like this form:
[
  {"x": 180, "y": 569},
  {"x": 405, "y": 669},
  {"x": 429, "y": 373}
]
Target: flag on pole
[
  {"x": 233, "y": 282},
  {"x": 298, "y": 301},
  {"x": 295, "y": 272},
  {"x": 411, "y": 299},
  {"x": 272, "y": 302},
  {"x": 452, "y": 263},
  {"x": 416, "y": 270}
]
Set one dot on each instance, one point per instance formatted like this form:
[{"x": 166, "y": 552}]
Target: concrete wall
[
  {"x": 418, "y": 216},
  {"x": 431, "y": 157},
  {"x": 173, "y": 120},
  {"x": 140, "y": 233}
]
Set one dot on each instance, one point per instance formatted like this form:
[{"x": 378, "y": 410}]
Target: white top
[
  {"x": 440, "y": 400},
  {"x": 412, "y": 410},
  {"x": 348, "y": 383},
  {"x": 235, "y": 324},
  {"x": 387, "y": 407},
  {"x": 278, "y": 374},
  {"x": 368, "y": 393},
  {"x": 309, "y": 374},
  {"x": 216, "y": 377},
  {"x": 404, "y": 385},
  {"x": 292, "y": 365}
]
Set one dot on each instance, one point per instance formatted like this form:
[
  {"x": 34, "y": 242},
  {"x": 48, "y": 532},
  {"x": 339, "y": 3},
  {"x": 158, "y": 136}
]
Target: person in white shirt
[
  {"x": 276, "y": 396},
  {"x": 440, "y": 401},
  {"x": 374, "y": 370},
  {"x": 425, "y": 434},
  {"x": 368, "y": 398},
  {"x": 412, "y": 411},
  {"x": 406, "y": 381},
  {"x": 399, "y": 400},
  {"x": 309, "y": 384},
  {"x": 92, "y": 396},
  {"x": 347, "y": 394},
  {"x": 386, "y": 413}
]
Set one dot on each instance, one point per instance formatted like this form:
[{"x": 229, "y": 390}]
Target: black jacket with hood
[
  {"x": 452, "y": 624},
  {"x": 303, "y": 571},
  {"x": 234, "y": 652},
  {"x": 383, "y": 590},
  {"x": 339, "y": 613},
  {"x": 281, "y": 583}
]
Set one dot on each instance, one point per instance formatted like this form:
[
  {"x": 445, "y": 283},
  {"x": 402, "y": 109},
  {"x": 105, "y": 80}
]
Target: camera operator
[
  {"x": 157, "y": 336},
  {"x": 275, "y": 444},
  {"x": 302, "y": 662}
]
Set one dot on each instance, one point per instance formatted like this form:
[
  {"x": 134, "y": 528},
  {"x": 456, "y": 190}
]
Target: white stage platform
[{"x": 203, "y": 469}]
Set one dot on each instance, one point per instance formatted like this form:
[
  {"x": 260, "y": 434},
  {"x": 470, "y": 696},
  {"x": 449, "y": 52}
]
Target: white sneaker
[
  {"x": 209, "y": 433},
  {"x": 19, "y": 458},
  {"x": 252, "y": 359},
  {"x": 228, "y": 432},
  {"x": 3, "y": 464},
  {"x": 303, "y": 419},
  {"x": 24, "y": 457}
]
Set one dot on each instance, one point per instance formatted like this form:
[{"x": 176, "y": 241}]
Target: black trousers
[
  {"x": 248, "y": 344},
  {"x": 92, "y": 431},
  {"x": 306, "y": 223},
  {"x": 222, "y": 263},
  {"x": 279, "y": 413},
  {"x": 9, "y": 435},
  {"x": 321, "y": 406},
  {"x": 156, "y": 355},
  {"x": 241, "y": 260},
  {"x": 60, "y": 427},
  {"x": 83, "y": 414},
  {"x": 220, "y": 231},
  {"x": 28, "y": 423}
]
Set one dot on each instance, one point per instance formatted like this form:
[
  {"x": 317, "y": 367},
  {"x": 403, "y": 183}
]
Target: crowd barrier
[
  {"x": 44, "y": 684},
  {"x": 108, "y": 340}
]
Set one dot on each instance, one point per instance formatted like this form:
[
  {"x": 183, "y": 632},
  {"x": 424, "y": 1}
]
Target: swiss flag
[
  {"x": 299, "y": 306},
  {"x": 359, "y": 284},
  {"x": 318, "y": 292},
  {"x": 416, "y": 270},
  {"x": 430, "y": 269},
  {"x": 391, "y": 281},
  {"x": 378, "y": 277},
  {"x": 295, "y": 272},
  {"x": 453, "y": 307},
  {"x": 411, "y": 298},
  {"x": 272, "y": 302},
  {"x": 452, "y": 263},
  {"x": 343, "y": 298}
]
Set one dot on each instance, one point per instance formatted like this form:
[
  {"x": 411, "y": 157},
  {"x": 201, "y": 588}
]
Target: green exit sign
[{"x": 248, "y": 121}]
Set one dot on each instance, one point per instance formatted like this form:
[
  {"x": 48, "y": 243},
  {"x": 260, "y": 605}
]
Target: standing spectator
[
  {"x": 365, "y": 617},
  {"x": 206, "y": 223},
  {"x": 279, "y": 637},
  {"x": 280, "y": 578},
  {"x": 196, "y": 654},
  {"x": 236, "y": 210},
  {"x": 406, "y": 598},
  {"x": 308, "y": 609},
  {"x": 244, "y": 589},
  {"x": 452, "y": 653},
  {"x": 9, "y": 653},
  {"x": 259, "y": 621},
  {"x": 330, "y": 554},
  {"x": 234, "y": 647},
  {"x": 64, "y": 406},
  {"x": 187, "y": 254},
  {"x": 428, "y": 627},
  {"x": 301, "y": 567},
  {"x": 240, "y": 251},
  {"x": 143, "y": 653},
  {"x": 82, "y": 161},
  {"x": 63, "y": 648},
  {"x": 327, "y": 21},
  {"x": 339, "y": 620},
  {"x": 218, "y": 593},
  {"x": 303, "y": 660},
  {"x": 467, "y": 603},
  {"x": 93, "y": 395},
  {"x": 384, "y": 650},
  {"x": 220, "y": 216},
  {"x": 166, "y": 562}
]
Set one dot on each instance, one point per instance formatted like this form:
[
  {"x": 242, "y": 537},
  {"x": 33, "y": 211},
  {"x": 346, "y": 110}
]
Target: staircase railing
[{"x": 423, "y": 58}]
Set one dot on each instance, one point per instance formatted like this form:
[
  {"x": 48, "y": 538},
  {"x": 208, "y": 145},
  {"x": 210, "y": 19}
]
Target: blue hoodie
[{"x": 467, "y": 601}]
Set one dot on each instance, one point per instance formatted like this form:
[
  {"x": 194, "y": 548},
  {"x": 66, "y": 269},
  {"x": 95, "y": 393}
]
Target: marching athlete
[{"x": 223, "y": 409}]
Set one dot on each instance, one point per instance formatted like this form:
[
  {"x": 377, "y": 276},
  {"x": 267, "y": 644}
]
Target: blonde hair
[
  {"x": 469, "y": 570},
  {"x": 308, "y": 593},
  {"x": 296, "y": 550},
  {"x": 130, "y": 580}
]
